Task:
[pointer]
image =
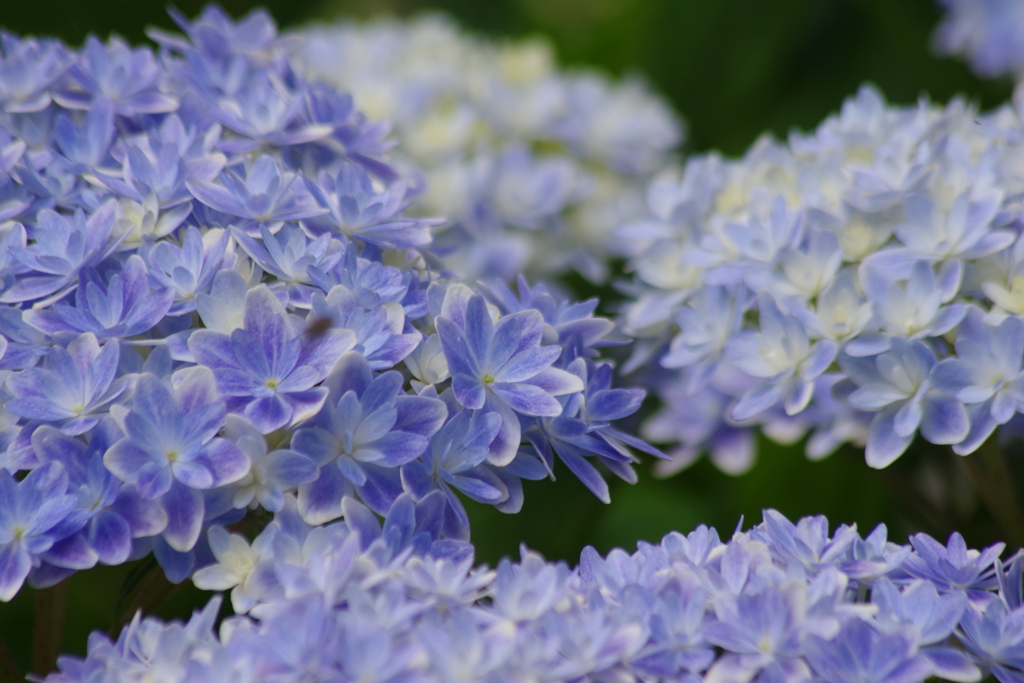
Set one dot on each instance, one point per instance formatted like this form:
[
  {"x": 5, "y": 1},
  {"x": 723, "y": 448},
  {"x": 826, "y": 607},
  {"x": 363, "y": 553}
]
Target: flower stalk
[{"x": 48, "y": 627}]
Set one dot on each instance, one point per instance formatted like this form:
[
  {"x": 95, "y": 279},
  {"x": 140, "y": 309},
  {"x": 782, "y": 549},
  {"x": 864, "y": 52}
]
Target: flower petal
[{"x": 184, "y": 507}]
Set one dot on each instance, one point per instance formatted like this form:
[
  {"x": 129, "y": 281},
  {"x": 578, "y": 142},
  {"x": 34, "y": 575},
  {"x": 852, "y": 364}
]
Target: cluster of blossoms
[
  {"x": 533, "y": 166},
  {"x": 217, "y": 295},
  {"x": 211, "y": 299},
  {"x": 863, "y": 282},
  {"x": 781, "y": 602},
  {"x": 988, "y": 32}
]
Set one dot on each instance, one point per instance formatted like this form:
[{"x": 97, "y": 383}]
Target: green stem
[
  {"x": 147, "y": 593},
  {"x": 993, "y": 482},
  {"x": 8, "y": 669},
  {"x": 48, "y": 629}
]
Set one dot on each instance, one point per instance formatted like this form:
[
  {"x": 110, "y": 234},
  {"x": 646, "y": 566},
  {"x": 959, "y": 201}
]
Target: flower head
[{"x": 268, "y": 369}]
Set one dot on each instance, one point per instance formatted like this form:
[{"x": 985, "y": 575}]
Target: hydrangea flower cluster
[
  {"x": 780, "y": 602},
  {"x": 987, "y": 32},
  {"x": 861, "y": 283},
  {"x": 212, "y": 300},
  {"x": 533, "y": 166}
]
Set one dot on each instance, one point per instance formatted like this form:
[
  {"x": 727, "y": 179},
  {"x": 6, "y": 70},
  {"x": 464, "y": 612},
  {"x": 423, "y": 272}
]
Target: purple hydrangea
[
  {"x": 268, "y": 369},
  {"x": 32, "y": 515},
  {"x": 391, "y": 599},
  {"x": 205, "y": 263},
  {"x": 366, "y": 430},
  {"x": 170, "y": 451},
  {"x": 73, "y": 389},
  {"x": 501, "y": 365}
]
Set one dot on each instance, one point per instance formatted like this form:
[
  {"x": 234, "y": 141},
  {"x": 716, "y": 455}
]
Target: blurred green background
[{"x": 732, "y": 69}]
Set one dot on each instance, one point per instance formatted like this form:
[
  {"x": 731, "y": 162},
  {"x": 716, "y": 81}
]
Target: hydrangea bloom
[
  {"x": 815, "y": 285},
  {"x": 209, "y": 282},
  {"x": 501, "y": 367},
  {"x": 454, "y": 460},
  {"x": 75, "y": 388},
  {"x": 533, "y": 166},
  {"x": 125, "y": 306},
  {"x": 988, "y": 33},
  {"x": 354, "y": 597},
  {"x": 277, "y": 332},
  {"x": 267, "y": 367},
  {"x": 366, "y": 429},
  {"x": 170, "y": 451},
  {"x": 32, "y": 520},
  {"x": 112, "y": 511}
]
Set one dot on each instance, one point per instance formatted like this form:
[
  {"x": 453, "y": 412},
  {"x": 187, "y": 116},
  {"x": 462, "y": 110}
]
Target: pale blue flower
[
  {"x": 264, "y": 111},
  {"x": 358, "y": 210},
  {"x": 706, "y": 324},
  {"x": 160, "y": 163},
  {"x": 987, "y": 33},
  {"x": 582, "y": 429},
  {"x": 839, "y": 313},
  {"x": 986, "y": 374},
  {"x": 263, "y": 194},
  {"x": 271, "y": 474},
  {"x": 897, "y": 384},
  {"x": 187, "y": 271},
  {"x": 130, "y": 78},
  {"x": 783, "y": 356},
  {"x": 859, "y": 653},
  {"x": 453, "y": 461},
  {"x": 112, "y": 512},
  {"x": 87, "y": 146},
  {"x": 288, "y": 255},
  {"x": 993, "y": 635},
  {"x": 953, "y": 567},
  {"x": 60, "y": 249},
  {"x": 935, "y": 618},
  {"x": 930, "y": 236},
  {"x": 913, "y": 311},
  {"x": 759, "y": 631},
  {"x": 807, "y": 544},
  {"x": 28, "y": 70}
]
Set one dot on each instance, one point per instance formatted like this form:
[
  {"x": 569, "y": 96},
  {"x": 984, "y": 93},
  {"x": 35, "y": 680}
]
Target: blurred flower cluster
[
  {"x": 534, "y": 166},
  {"x": 861, "y": 283},
  {"x": 987, "y": 32},
  {"x": 355, "y": 601},
  {"x": 211, "y": 298}
]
